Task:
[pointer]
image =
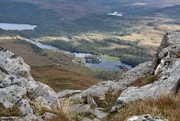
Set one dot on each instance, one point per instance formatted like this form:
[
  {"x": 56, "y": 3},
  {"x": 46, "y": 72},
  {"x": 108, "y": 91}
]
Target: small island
[{"x": 92, "y": 59}]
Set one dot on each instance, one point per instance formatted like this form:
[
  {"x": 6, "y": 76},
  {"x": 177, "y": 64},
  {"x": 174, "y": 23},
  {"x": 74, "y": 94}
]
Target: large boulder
[
  {"x": 18, "y": 88},
  {"x": 135, "y": 73}
]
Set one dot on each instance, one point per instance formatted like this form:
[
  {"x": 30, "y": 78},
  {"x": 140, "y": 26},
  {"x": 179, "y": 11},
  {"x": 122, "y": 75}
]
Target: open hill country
[{"x": 89, "y": 60}]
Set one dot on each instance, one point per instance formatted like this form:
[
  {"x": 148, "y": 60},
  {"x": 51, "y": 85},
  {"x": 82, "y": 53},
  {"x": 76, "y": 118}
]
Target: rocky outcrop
[
  {"x": 18, "y": 88},
  {"x": 166, "y": 64},
  {"x": 145, "y": 117},
  {"x": 67, "y": 92},
  {"x": 135, "y": 73},
  {"x": 101, "y": 88}
]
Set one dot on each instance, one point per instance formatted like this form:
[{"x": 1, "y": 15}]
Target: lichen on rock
[{"x": 17, "y": 86}]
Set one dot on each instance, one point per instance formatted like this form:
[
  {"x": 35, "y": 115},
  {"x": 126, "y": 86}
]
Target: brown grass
[
  {"x": 111, "y": 98},
  {"x": 60, "y": 78},
  {"x": 169, "y": 27},
  {"x": 165, "y": 107},
  {"x": 31, "y": 57},
  {"x": 62, "y": 111},
  {"x": 14, "y": 111},
  {"x": 107, "y": 104},
  {"x": 146, "y": 79}
]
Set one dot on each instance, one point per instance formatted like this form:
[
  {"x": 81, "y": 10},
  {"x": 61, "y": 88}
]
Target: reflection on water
[
  {"x": 104, "y": 65},
  {"x": 108, "y": 65},
  {"x": 11, "y": 26},
  {"x": 43, "y": 46}
]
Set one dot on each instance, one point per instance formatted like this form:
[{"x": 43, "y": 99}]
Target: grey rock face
[
  {"x": 67, "y": 92},
  {"x": 17, "y": 86},
  {"x": 42, "y": 101},
  {"x": 168, "y": 66},
  {"x": 9, "y": 96},
  {"x": 145, "y": 117},
  {"x": 99, "y": 114},
  {"x": 47, "y": 116},
  {"x": 80, "y": 108},
  {"x": 99, "y": 89},
  {"x": 86, "y": 119},
  {"x": 96, "y": 119},
  {"x": 9, "y": 118},
  {"x": 136, "y": 72},
  {"x": 102, "y": 88},
  {"x": 91, "y": 101},
  {"x": 45, "y": 91},
  {"x": 25, "y": 107},
  {"x": 30, "y": 117},
  {"x": 169, "y": 40}
]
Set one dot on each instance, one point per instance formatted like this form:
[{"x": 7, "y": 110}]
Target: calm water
[
  {"x": 104, "y": 65},
  {"x": 108, "y": 65},
  {"x": 11, "y": 26},
  {"x": 43, "y": 46}
]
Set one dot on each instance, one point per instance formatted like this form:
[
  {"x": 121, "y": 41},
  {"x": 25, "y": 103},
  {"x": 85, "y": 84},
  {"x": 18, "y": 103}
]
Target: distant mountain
[
  {"x": 172, "y": 12},
  {"x": 75, "y": 16},
  {"x": 153, "y": 3},
  {"x": 67, "y": 9},
  {"x": 52, "y": 16}
]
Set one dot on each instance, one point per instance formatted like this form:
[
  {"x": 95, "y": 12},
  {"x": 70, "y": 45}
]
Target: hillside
[
  {"x": 147, "y": 90},
  {"x": 60, "y": 78},
  {"x": 48, "y": 66},
  {"x": 171, "y": 12},
  {"x": 42, "y": 84},
  {"x": 68, "y": 9},
  {"x": 133, "y": 37},
  {"x": 51, "y": 17},
  {"x": 72, "y": 17}
]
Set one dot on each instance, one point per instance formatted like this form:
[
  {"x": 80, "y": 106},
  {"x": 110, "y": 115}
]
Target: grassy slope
[
  {"x": 42, "y": 70},
  {"x": 30, "y": 56},
  {"x": 60, "y": 78},
  {"x": 165, "y": 107}
]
